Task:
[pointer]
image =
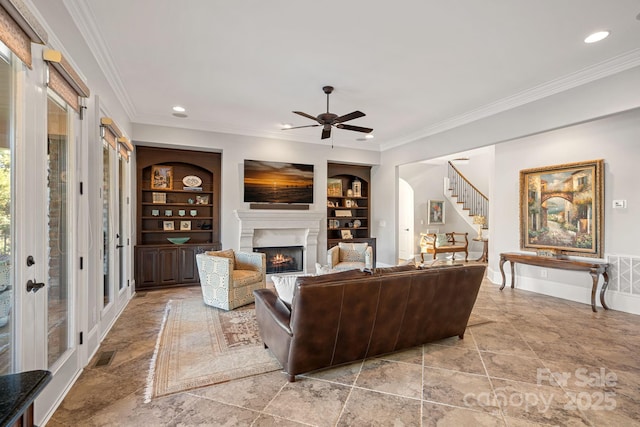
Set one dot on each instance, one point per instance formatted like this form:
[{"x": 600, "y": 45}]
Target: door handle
[{"x": 33, "y": 286}]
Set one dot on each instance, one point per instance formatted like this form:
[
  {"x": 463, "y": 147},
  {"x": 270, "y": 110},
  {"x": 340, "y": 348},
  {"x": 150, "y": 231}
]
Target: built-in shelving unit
[
  {"x": 173, "y": 209},
  {"x": 348, "y": 204}
]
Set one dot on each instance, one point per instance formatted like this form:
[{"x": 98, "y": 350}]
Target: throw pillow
[
  {"x": 441, "y": 240},
  {"x": 228, "y": 253},
  {"x": 285, "y": 286},
  {"x": 352, "y": 252}
]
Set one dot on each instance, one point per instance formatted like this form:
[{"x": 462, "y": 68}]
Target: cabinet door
[
  {"x": 188, "y": 268},
  {"x": 168, "y": 266},
  {"x": 146, "y": 267}
]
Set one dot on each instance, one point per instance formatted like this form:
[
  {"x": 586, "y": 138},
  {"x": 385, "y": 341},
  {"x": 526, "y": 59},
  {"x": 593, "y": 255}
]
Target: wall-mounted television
[{"x": 277, "y": 182}]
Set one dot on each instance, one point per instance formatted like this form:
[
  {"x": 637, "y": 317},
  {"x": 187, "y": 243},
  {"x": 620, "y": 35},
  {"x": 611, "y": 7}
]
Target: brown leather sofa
[{"x": 343, "y": 317}]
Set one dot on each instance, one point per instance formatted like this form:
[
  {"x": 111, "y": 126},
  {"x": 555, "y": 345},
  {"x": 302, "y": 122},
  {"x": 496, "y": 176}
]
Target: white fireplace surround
[{"x": 262, "y": 228}]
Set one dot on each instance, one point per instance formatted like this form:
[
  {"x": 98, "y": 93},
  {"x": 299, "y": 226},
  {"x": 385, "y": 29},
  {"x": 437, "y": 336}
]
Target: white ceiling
[{"x": 415, "y": 67}]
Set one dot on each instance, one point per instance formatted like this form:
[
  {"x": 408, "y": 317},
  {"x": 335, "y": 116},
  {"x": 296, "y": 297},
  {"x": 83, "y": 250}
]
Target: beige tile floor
[{"x": 539, "y": 361}]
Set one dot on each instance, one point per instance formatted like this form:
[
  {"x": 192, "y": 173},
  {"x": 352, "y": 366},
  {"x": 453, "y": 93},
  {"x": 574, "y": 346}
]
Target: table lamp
[{"x": 481, "y": 221}]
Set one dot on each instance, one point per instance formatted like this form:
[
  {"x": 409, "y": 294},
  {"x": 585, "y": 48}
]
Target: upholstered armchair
[
  {"x": 349, "y": 256},
  {"x": 228, "y": 278}
]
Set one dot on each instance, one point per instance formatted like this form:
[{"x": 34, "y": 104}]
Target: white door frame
[{"x": 405, "y": 220}]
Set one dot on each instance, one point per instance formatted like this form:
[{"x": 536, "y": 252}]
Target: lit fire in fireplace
[
  {"x": 282, "y": 259},
  {"x": 279, "y": 259}
]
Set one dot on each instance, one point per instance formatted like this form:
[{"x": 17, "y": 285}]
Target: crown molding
[
  {"x": 85, "y": 21},
  {"x": 205, "y": 126},
  {"x": 617, "y": 64}
]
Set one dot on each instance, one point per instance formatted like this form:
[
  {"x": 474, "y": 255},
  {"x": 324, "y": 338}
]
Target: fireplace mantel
[{"x": 281, "y": 227}]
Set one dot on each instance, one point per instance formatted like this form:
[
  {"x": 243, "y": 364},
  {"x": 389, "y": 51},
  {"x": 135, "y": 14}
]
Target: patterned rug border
[{"x": 159, "y": 381}]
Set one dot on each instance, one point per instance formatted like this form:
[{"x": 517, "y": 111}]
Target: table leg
[
  {"x": 605, "y": 276},
  {"x": 504, "y": 279},
  {"x": 513, "y": 274},
  {"x": 594, "y": 287}
]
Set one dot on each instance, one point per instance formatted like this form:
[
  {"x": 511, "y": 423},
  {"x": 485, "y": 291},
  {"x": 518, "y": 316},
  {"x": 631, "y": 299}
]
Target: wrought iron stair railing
[{"x": 472, "y": 199}]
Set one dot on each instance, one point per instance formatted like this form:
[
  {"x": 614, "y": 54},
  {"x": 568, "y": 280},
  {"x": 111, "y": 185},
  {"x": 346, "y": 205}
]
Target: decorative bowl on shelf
[{"x": 178, "y": 240}]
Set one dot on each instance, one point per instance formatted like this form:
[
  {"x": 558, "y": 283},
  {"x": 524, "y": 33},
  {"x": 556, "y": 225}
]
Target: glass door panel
[
  {"x": 6, "y": 209},
  {"x": 106, "y": 224},
  {"x": 59, "y": 280},
  {"x": 122, "y": 246}
]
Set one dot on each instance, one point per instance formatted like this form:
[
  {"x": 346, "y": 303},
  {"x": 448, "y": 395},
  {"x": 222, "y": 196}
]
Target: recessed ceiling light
[
  {"x": 597, "y": 36},
  {"x": 179, "y": 109},
  {"x": 369, "y": 136},
  {"x": 286, "y": 125}
]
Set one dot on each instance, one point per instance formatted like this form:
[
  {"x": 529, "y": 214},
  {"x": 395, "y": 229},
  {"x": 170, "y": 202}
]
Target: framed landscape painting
[
  {"x": 561, "y": 208},
  {"x": 435, "y": 211}
]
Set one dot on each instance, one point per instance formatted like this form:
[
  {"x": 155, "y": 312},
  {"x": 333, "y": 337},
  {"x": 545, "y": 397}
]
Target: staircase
[{"x": 467, "y": 199}]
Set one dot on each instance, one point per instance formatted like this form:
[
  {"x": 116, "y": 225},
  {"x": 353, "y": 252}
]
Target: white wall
[
  {"x": 614, "y": 139},
  {"x": 600, "y": 98},
  {"x": 235, "y": 149}
]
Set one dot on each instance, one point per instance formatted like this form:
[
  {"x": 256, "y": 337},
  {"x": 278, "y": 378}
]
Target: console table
[{"x": 594, "y": 268}]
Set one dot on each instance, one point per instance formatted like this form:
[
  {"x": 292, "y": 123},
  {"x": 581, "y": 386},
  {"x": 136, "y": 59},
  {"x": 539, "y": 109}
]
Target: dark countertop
[{"x": 18, "y": 391}]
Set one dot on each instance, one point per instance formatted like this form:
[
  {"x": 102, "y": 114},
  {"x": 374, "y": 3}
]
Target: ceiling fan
[{"x": 327, "y": 120}]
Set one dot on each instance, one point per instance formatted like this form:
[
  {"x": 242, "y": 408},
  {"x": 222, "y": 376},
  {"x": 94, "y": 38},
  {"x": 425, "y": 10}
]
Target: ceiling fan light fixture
[
  {"x": 597, "y": 36},
  {"x": 369, "y": 136},
  {"x": 286, "y": 125}
]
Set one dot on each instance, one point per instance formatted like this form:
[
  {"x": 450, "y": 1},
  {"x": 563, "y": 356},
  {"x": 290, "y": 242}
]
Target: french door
[{"x": 115, "y": 233}]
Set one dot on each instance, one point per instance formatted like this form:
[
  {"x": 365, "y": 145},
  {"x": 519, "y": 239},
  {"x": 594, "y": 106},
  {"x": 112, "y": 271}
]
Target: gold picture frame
[
  {"x": 161, "y": 177},
  {"x": 334, "y": 187},
  {"x": 561, "y": 209}
]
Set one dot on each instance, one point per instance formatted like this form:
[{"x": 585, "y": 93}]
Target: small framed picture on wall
[
  {"x": 167, "y": 225},
  {"x": 435, "y": 211}
]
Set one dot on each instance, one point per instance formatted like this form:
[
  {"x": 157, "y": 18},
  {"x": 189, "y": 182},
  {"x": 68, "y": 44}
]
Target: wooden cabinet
[
  {"x": 168, "y": 208},
  {"x": 162, "y": 266},
  {"x": 348, "y": 203}
]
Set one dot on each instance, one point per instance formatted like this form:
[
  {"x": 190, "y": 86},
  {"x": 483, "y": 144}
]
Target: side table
[{"x": 485, "y": 249}]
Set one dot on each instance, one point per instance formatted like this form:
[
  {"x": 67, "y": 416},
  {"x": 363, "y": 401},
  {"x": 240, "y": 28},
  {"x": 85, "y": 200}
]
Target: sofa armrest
[
  {"x": 255, "y": 261},
  {"x": 213, "y": 267},
  {"x": 278, "y": 312},
  {"x": 333, "y": 256}
]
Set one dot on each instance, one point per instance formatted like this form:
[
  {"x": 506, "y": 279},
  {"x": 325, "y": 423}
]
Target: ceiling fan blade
[
  {"x": 350, "y": 116},
  {"x": 308, "y": 116},
  {"x": 326, "y": 132},
  {"x": 298, "y": 127},
  {"x": 356, "y": 128}
]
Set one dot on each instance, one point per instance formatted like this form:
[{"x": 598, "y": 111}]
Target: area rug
[{"x": 200, "y": 345}]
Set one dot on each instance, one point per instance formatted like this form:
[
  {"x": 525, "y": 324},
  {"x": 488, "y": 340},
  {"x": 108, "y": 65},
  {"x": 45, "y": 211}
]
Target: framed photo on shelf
[
  {"x": 334, "y": 187},
  {"x": 159, "y": 197},
  {"x": 561, "y": 209},
  {"x": 346, "y": 234},
  {"x": 185, "y": 225},
  {"x": 435, "y": 211},
  {"x": 341, "y": 213},
  {"x": 161, "y": 177},
  {"x": 202, "y": 200},
  {"x": 167, "y": 225}
]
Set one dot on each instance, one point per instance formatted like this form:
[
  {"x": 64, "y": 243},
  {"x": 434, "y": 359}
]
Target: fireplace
[
  {"x": 283, "y": 259},
  {"x": 279, "y": 228}
]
